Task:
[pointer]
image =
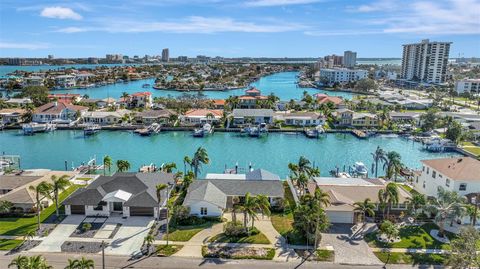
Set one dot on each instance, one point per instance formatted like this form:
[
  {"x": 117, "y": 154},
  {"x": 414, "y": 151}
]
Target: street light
[{"x": 103, "y": 253}]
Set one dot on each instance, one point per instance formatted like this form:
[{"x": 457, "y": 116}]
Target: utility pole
[
  {"x": 170, "y": 185},
  {"x": 103, "y": 254}
]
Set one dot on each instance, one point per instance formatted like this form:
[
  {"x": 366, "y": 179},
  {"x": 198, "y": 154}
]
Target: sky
[{"x": 241, "y": 28}]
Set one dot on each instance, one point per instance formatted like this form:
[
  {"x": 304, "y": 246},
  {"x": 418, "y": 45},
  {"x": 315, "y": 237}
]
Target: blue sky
[{"x": 270, "y": 28}]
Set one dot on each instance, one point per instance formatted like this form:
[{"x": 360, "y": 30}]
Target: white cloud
[
  {"x": 196, "y": 24},
  {"x": 27, "y": 46},
  {"x": 60, "y": 13},
  {"x": 426, "y": 17},
  {"x": 271, "y": 3}
]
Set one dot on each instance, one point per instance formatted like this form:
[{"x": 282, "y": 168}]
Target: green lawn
[
  {"x": 166, "y": 251},
  {"x": 185, "y": 233},
  {"x": 257, "y": 238},
  {"x": 8, "y": 244},
  {"x": 21, "y": 226},
  {"x": 474, "y": 150},
  {"x": 411, "y": 258},
  {"x": 412, "y": 237}
]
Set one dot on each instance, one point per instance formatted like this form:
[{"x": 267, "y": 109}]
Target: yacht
[
  {"x": 154, "y": 128},
  {"x": 314, "y": 133},
  {"x": 91, "y": 129},
  {"x": 33, "y": 127},
  {"x": 359, "y": 168},
  {"x": 205, "y": 130}
]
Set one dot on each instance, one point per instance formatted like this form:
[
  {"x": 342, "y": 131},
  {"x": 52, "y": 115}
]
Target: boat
[
  {"x": 33, "y": 127},
  {"x": 258, "y": 131},
  {"x": 360, "y": 169},
  {"x": 91, "y": 129},
  {"x": 205, "y": 130},
  {"x": 438, "y": 144},
  {"x": 146, "y": 85},
  {"x": 154, "y": 128},
  {"x": 314, "y": 133}
]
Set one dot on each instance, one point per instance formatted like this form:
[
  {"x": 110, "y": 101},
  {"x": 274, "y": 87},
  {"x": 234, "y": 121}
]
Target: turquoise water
[
  {"x": 282, "y": 85},
  {"x": 5, "y": 69},
  {"x": 274, "y": 152}
]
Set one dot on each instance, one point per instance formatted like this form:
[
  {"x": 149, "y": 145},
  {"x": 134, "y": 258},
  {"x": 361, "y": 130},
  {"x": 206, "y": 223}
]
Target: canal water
[
  {"x": 273, "y": 152},
  {"x": 284, "y": 85}
]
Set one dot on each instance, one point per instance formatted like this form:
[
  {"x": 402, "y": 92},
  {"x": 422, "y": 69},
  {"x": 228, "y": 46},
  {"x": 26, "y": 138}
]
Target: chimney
[{"x": 55, "y": 103}]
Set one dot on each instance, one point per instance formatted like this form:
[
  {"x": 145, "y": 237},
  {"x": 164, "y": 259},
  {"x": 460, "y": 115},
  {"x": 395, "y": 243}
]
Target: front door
[{"x": 117, "y": 206}]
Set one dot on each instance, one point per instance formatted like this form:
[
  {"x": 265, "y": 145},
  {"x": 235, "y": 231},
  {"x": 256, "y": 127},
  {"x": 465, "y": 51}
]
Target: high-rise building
[
  {"x": 165, "y": 55},
  {"x": 336, "y": 60},
  {"x": 51, "y": 57},
  {"x": 426, "y": 61},
  {"x": 349, "y": 59}
]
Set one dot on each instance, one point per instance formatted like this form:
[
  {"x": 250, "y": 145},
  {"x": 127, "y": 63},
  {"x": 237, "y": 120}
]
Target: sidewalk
[{"x": 413, "y": 250}]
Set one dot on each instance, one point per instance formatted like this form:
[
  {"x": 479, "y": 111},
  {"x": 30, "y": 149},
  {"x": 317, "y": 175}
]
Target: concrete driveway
[
  {"x": 130, "y": 236},
  {"x": 53, "y": 242},
  {"x": 350, "y": 248}
]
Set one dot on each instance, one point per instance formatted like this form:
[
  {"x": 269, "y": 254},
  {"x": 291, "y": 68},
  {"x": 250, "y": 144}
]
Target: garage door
[
  {"x": 340, "y": 217},
  {"x": 141, "y": 211},
  {"x": 77, "y": 209}
]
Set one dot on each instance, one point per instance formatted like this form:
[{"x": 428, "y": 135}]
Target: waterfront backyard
[{"x": 273, "y": 152}]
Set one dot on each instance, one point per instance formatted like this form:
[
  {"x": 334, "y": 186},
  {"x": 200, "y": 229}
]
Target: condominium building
[
  {"x": 349, "y": 59},
  {"x": 165, "y": 55},
  {"x": 425, "y": 61},
  {"x": 341, "y": 75},
  {"x": 336, "y": 60},
  {"x": 468, "y": 85}
]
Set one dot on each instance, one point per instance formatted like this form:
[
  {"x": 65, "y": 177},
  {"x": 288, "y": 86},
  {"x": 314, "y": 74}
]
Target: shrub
[
  {"x": 234, "y": 229},
  {"x": 213, "y": 219},
  {"x": 191, "y": 221},
  {"x": 86, "y": 226}
]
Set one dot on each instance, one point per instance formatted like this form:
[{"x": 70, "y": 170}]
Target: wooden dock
[{"x": 359, "y": 133}]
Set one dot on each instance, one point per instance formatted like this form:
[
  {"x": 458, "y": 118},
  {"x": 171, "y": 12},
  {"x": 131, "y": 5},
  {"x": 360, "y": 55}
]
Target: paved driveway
[
  {"x": 130, "y": 236},
  {"x": 350, "y": 248},
  {"x": 54, "y": 241}
]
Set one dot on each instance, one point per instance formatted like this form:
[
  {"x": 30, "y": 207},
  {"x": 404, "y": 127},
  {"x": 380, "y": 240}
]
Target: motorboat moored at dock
[
  {"x": 205, "y": 130},
  {"x": 33, "y": 127},
  {"x": 91, "y": 129}
]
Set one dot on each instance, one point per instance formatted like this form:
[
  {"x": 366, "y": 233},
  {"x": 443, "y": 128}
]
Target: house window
[
  {"x": 463, "y": 187},
  {"x": 447, "y": 182},
  {"x": 417, "y": 179},
  {"x": 424, "y": 184},
  {"x": 434, "y": 174},
  {"x": 428, "y": 170},
  {"x": 203, "y": 211}
]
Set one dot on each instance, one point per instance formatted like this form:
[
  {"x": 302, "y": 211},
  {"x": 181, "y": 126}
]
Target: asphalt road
[{"x": 59, "y": 261}]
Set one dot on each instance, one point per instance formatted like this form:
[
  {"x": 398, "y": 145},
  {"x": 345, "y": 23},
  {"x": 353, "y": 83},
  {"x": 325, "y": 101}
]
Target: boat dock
[{"x": 359, "y": 133}]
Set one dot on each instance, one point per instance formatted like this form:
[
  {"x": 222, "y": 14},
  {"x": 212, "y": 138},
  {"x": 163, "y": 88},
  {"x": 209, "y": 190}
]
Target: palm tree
[
  {"x": 447, "y": 205},
  {"x": 472, "y": 213},
  {"x": 159, "y": 189},
  {"x": 391, "y": 232},
  {"x": 5, "y": 206},
  {"x": 186, "y": 160},
  {"x": 168, "y": 167},
  {"x": 42, "y": 189},
  {"x": 322, "y": 198},
  {"x": 200, "y": 156},
  {"x": 149, "y": 239},
  {"x": 378, "y": 155},
  {"x": 19, "y": 262},
  {"x": 123, "y": 165},
  {"x": 85, "y": 264},
  {"x": 249, "y": 208},
  {"x": 393, "y": 164},
  {"x": 416, "y": 202},
  {"x": 366, "y": 208},
  {"x": 57, "y": 186},
  {"x": 263, "y": 204},
  {"x": 391, "y": 194},
  {"x": 187, "y": 180},
  {"x": 107, "y": 162},
  {"x": 72, "y": 264}
]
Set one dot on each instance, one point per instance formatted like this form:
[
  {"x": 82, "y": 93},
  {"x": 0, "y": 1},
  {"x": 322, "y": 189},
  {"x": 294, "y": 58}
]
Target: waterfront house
[
  {"x": 460, "y": 174},
  {"x": 301, "y": 118},
  {"x": 249, "y": 100},
  {"x": 344, "y": 117},
  {"x": 252, "y": 116},
  {"x": 365, "y": 120},
  {"x": 138, "y": 100},
  {"x": 419, "y": 104},
  {"x": 257, "y": 174},
  {"x": 211, "y": 197},
  {"x": 218, "y": 103},
  {"x": 344, "y": 192},
  {"x": 65, "y": 97},
  {"x": 105, "y": 117},
  {"x": 125, "y": 194},
  {"x": 148, "y": 117},
  {"x": 58, "y": 112},
  {"x": 11, "y": 115},
  {"x": 16, "y": 188},
  {"x": 201, "y": 116},
  {"x": 413, "y": 117},
  {"x": 19, "y": 102},
  {"x": 65, "y": 81},
  {"x": 33, "y": 81},
  {"x": 325, "y": 99}
]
